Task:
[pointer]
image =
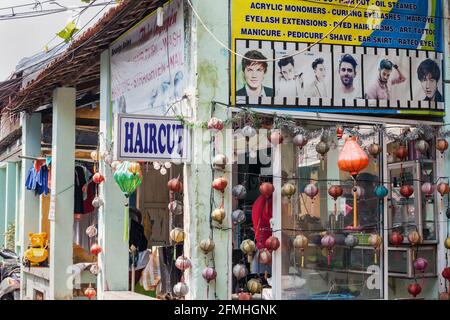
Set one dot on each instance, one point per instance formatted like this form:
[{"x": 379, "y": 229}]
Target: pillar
[
  {"x": 18, "y": 200},
  {"x": 209, "y": 74},
  {"x": 2, "y": 205},
  {"x": 29, "y": 203},
  {"x": 10, "y": 196},
  {"x": 113, "y": 261},
  {"x": 62, "y": 194}
]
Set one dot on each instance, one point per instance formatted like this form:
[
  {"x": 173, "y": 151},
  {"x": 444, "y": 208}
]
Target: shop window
[{"x": 340, "y": 272}]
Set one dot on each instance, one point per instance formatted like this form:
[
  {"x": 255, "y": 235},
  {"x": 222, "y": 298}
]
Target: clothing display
[
  {"x": 83, "y": 177},
  {"x": 38, "y": 178},
  {"x": 170, "y": 274}
]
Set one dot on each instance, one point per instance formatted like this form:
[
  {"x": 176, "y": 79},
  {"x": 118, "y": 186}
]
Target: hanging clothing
[
  {"x": 37, "y": 178},
  {"x": 42, "y": 180},
  {"x": 261, "y": 215},
  {"x": 80, "y": 181}
]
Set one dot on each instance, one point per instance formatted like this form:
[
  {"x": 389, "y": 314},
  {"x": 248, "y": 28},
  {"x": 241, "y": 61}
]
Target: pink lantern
[
  {"x": 311, "y": 190},
  {"x": 328, "y": 242},
  {"x": 215, "y": 124},
  {"x": 420, "y": 264},
  {"x": 209, "y": 274},
  {"x": 182, "y": 263}
]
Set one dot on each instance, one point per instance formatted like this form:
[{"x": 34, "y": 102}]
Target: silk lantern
[
  {"x": 127, "y": 182},
  {"x": 207, "y": 245},
  {"x": 238, "y": 216},
  {"x": 248, "y": 247},
  {"x": 209, "y": 274},
  {"x": 90, "y": 292},
  {"x": 374, "y": 150},
  {"x": 414, "y": 289},
  {"x": 96, "y": 249},
  {"x": 276, "y": 138},
  {"x": 442, "y": 145},
  {"x": 180, "y": 289},
  {"x": 447, "y": 243},
  {"x": 351, "y": 241},
  {"x": 239, "y": 192},
  {"x": 443, "y": 189},
  {"x": 183, "y": 263},
  {"x": 272, "y": 243},
  {"x": 219, "y": 162},
  {"x": 381, "y": 191},
  {"x": 264, "y": 256},
  {"x": 301, "y": 242},
  {"x": 311, "y": 190},
  {"x": 420, "y": 264},
  {"x": 353, "y": 160},
  {"x": 339, "y": 132},
  {"x": 328, "y": 242},
  {"x": 248, "y": 131},
  {"x": 175, "y": 185},
  {"x": 335, "y": 192},
  {"x": 422, "y": 146},
  {"x": 300, "y": 140},
  {"x": 446, "y": 273},
  {"x": 218, "y": 215},
  {"x": 175, "y": 207},
  {"x": 288, "y": 190},
  {"x": 375, "y": 242},
  {"x": 322, "y": 148},
  {"x": 427, "y": 189},
  {"x": 240, "y": 271},
  {"x": 396, "y": 238},
  {"x": 254, "y": 286}
]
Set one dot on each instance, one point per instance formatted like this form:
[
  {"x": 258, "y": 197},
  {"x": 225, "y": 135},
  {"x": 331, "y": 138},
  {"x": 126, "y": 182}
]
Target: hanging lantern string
[
  {"x": 346, "y": 181},
  {"x": 360, "y": 230},
  {"x": 256, "y": 118}
]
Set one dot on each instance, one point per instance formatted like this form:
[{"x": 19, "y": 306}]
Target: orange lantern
[{"x": 353, "y": 159}]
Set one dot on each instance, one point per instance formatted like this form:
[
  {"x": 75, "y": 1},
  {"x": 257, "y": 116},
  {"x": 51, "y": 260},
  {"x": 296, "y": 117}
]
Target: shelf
[{"x": 337, "y": 270}]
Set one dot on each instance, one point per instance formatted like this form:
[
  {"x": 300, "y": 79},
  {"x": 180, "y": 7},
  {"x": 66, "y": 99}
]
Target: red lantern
[
  {"x": 175, "y": 185},
  {"x": 90, "y": 292},
  {"x": 335, "y": 192},
  {"x": 352, "y": 158},
  {"x": 96, "y": 249},
  {"x": 339, "y": 132},
  {"x": 272, "y": 243},
  {"x": 446, "y": 273},
  {"x": 414, "y": 289},
  {"x": 220, "y": 184},
  {"x": 266, "y": 189},
  {"x": 401, "y": 152},
  {"x": 406, "y": 191},
  {"x": 245, "y": 296},
  {"x": 98, "y": 178},
  {"x": 396, "y": 238},
  {"x": 276, "y": 138}
]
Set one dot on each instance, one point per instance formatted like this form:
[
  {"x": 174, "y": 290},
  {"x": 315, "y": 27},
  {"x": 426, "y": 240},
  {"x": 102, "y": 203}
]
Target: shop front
[{"x": 339, "y": 180}]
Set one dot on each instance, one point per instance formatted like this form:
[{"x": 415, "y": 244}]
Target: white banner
[
  {"x": 147, "y": 64},
  {"x": 148, "y": 138}
]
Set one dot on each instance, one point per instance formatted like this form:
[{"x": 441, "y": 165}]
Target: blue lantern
[{"x": 381, "y": 191}]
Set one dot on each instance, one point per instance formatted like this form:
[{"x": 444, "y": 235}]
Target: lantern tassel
[
  {"x": 125, "y": 223},
  {"x": 329, "y": 258},
  {"x": 375, "y": 257},
  {"x": 303, "y": 260}
]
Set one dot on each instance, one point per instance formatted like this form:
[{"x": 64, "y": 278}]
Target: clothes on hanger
[
  {"x": 38, "y": 177},
  {"x": 84, "y": 190}
]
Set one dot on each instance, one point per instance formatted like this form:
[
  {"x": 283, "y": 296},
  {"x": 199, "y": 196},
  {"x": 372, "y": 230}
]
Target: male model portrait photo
[
  {"x": 389, "y": 74},
  {"x": 254, "y": 72}
]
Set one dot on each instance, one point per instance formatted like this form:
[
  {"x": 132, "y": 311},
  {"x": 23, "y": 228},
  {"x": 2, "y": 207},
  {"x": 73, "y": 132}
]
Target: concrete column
[
  {"x": 10, "y": 196},
  {"x": 18, "y": 201},
  {"x": 62, "y": 194},
  {"x": 209, "y": 74},
  {"x": 29, "y": 203},
  {"x": 444, "y": 164},
  {"x": 2, "y": 205},
  {"x": 113, "y": 261}
]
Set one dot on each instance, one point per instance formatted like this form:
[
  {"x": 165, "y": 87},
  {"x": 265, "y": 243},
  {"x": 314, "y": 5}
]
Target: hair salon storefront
[{"x": 354, "y": 218}]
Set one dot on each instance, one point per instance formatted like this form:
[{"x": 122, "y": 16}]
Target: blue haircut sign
[{"x": 151, "y": 138}]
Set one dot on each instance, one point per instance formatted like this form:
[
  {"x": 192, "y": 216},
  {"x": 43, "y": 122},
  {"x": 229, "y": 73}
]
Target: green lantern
[{"x": 128, "y": 179}]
